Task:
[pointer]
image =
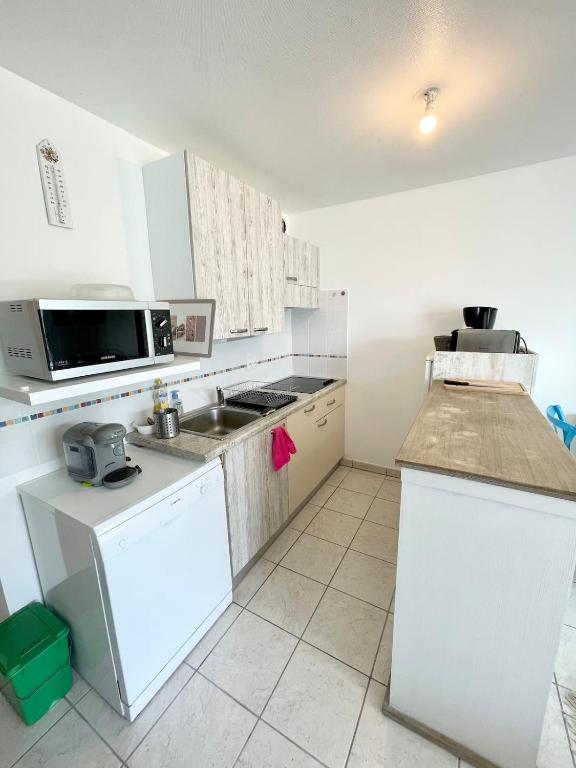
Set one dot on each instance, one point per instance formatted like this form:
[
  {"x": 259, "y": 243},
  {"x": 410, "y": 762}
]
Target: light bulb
[{"x": 428, "y": 123}]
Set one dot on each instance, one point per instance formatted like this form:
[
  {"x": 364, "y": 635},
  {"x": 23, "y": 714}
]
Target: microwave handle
[{"x": 149, "y": 334}]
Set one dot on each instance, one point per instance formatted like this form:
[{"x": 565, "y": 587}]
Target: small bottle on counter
[
  {"x": 175, "y": 402},
  {"x": 160, "y": 396}
]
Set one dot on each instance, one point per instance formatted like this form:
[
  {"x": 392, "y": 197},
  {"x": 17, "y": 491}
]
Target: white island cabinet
[{"x": 486, "y": 557}]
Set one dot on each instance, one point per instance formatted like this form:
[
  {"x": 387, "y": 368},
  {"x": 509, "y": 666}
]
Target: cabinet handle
[
  {"x": 309, "y": 410},
  {"x": 258, "y": 330},
  {"x": 239, "y": 330},
  {"x": 291, "y": 279},
  {"x": 331, "y": 402},
  {"x": 323, "y": 423}
]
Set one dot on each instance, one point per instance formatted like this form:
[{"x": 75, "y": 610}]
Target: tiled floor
[{"x": 293, "y": 674}]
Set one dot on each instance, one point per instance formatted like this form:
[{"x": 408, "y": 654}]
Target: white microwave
[{"x": 55, "y": 339}]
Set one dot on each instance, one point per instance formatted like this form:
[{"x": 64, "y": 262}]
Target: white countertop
[{"x": 103, "y": 508}]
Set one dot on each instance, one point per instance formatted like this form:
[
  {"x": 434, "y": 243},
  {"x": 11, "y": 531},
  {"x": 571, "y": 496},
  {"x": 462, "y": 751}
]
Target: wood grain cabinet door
[
  {"x": 256, "y": 495},
  {"x": 265, "y": 262},
  {"x": 219, "y": 245}
]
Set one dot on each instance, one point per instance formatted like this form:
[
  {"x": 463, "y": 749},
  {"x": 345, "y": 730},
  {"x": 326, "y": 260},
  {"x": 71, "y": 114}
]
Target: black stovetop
[{"x": 304, "y": 384}]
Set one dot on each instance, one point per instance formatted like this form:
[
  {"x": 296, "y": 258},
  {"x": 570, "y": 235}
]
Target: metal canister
[{"x": 166, "y": 423}]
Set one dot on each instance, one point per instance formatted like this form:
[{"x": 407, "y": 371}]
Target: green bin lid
[{"x": 25, "y": 635}]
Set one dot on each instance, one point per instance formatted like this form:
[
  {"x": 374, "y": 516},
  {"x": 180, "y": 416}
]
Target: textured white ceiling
[{"x": 313, "y": 100}]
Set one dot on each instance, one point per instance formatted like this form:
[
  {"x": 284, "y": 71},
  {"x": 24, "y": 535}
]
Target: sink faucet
[{"x": 220, "y": 395}]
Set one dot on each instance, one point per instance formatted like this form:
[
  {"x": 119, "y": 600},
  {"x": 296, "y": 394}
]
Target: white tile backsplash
[{"x": 319, "y": 337}]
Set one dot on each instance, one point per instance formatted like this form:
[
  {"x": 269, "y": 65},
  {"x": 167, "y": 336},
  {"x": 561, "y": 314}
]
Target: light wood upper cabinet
[
  {"x": 265, "y": 262},
  {"x": 214, "y": 237},
  {"x": 219, "y": 245},
  {"x": 256, "y": 497},
  {"x": 301, "y": 269}
]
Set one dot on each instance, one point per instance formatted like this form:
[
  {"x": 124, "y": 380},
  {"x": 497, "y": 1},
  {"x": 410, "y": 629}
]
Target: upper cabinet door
[
  {"x": 265, "y": 262},
  {"x": 219, "y": 245},
  {"x": 312, "y": 265},
  {"x": 301, "y": 262}
]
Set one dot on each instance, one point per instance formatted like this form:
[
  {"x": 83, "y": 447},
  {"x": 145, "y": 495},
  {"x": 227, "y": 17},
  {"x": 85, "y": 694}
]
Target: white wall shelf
[{"x": 29, "y": 391}]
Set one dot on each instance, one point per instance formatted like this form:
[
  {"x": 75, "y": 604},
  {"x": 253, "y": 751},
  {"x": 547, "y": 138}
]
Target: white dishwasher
[{"x": 140, "y": 573}]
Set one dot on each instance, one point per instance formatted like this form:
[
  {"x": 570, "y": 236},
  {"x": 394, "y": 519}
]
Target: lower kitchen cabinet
[
  {"x": 256, "y": 495},
  {"x": 318, "y": 434}
]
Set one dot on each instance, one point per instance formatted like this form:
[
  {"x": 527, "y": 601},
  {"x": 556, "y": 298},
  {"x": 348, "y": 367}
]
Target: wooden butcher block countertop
[{"x": 494, "y": 438}]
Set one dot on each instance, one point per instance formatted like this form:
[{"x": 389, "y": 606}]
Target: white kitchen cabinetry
[
  {"x": 318, "y": 433},
  {"x": 301, "y": 265},
  {"x": 213, "y": 237}
]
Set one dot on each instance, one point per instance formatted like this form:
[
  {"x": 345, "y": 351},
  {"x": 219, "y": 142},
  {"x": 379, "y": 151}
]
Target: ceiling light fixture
[{"x": 429, "y": 120}]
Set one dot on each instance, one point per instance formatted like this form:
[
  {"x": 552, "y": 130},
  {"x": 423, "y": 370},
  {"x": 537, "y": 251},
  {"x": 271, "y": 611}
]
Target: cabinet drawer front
[
  {"x": 333, "y": 400},
  {"x": 329, "y": 441}
]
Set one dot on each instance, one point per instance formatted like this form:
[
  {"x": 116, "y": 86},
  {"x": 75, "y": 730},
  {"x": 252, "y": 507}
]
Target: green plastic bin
[{"x": 35, "y": 669}]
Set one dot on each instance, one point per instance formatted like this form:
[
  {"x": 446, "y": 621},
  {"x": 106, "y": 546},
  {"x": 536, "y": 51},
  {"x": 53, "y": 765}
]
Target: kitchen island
[{"x": 486, "y": 558}]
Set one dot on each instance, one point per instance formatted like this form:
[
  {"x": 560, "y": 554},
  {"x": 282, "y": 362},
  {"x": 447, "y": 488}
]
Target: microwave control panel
[{"x": 161, "y": 332}]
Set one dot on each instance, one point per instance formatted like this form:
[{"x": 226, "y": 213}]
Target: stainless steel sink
[{"x": 217, "y": 420}]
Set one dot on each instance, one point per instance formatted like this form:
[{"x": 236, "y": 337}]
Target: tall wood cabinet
[
  {"x": 212, "y": 236},
  {"x": 301, "y": 269},
  {"x": 256, "y": 497}
]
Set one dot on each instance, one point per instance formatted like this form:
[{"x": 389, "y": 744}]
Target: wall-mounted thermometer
[{"x": 53, "y": 185}]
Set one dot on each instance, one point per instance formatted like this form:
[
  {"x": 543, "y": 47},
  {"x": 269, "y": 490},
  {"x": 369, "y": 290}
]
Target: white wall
[
  {"x": 107, "y": 244},
  {"x": 38, "y": 259},
  {"x": 412, "y": 260}
]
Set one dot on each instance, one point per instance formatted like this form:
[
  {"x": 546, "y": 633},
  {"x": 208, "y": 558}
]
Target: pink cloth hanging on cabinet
[{"x": 282, "y": 447}]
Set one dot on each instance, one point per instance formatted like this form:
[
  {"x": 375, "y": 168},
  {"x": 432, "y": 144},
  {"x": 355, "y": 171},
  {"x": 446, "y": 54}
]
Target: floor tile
[
  {"x": 314, "y": 557},
  {"x": 334, "y": 526},
  {"x": 203, "y": 648},
  {"x": 287, "y": 599},
  {"x": 390, "y": 489},
  {"x": 349, "y": 502},
  {"x": 16, "y": 737},
  {"x": 202, "y": 727},
  {"x": 305, "y": 516},
  {"x": 337, "y": 476},
  {"x": 70, "y": 744},
  {"x": 317, "y": 703},
  {"x": 384, "y": 512},
  {"x": 383, "y": 662},
  {"x": 116, "y": 731},
  {"x": 266, "y": 748},
  {"x": 376, "y": 540},
  {"x": 79, "y": 688},
  {"x": 347, "y": 628},
  {"x": 554, "y": 749},
  {"x": 248, "y": 661},
  {"x": 363, "y": 482},
  {"x": 278, "y": 549},
  {"x": 566, "y": 659},
  {"x": 382, "y": 742},
  {"x": 252, "y": 582},
  {"x": 570, "y": 617},
  {"x": 366, "y": 577},
  {"x": 322, "y": 495}
]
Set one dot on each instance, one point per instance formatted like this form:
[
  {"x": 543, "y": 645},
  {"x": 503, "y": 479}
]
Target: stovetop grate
[{"x": 261, "y": 400}]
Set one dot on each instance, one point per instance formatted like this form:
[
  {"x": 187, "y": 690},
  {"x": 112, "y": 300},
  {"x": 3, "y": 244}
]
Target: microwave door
[{"x": 85, "y": 341}]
